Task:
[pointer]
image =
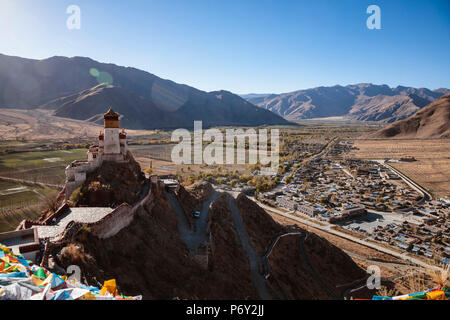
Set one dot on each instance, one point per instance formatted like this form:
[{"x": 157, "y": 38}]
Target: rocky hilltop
[{"x": 111, "y": 184}]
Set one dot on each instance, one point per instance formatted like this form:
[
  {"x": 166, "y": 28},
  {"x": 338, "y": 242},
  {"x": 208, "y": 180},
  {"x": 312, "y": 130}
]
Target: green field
[
  {"x": 39, "y": 166},
  {"x": 9, "y": 220},
  {"x": 13, "y": 195},
  {"x": 39, "y": 159},
  {"x": 20, "y": 201},
  {"x": 24, "y": 199}
]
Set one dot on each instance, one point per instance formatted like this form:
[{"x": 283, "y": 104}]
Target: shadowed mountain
[
  {"x": 137, "y": 112},
  {"x": 70, "y": 86},
  {"x": 433, "y": 121},
  {"x": 366, "y": 102}
]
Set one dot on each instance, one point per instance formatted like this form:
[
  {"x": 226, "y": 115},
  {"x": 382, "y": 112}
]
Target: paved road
[
  {"x": 201, "y": 223},
  {"x": 193, "y": 239},
  {"x": 254, "y": 259},
  {"x": 327, "y": 228},
  {"x": 408, "y": 181}
]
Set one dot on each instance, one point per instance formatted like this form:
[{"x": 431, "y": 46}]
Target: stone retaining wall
[{"x": 120, "y": 217}]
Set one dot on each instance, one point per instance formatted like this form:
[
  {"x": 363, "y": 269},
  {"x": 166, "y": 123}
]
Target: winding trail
[
  {"x": 265, "y": 258},
  {"x": 303, "y": 256},
  {"x": 254, "y": 259},
  {"x": 192, "y": 239},
  {"x": 311, "y": 269}
]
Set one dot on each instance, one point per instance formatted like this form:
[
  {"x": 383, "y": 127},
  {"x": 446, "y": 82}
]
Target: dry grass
[
  {"x": 50, "y": 201},
  {"x": 416, "y": 281},
  {"x": 75, "y": 254},
  {"x": 432, "y": 170},
  {"x": 386, "y": 292},
  {"x": 441, "y": 276}
]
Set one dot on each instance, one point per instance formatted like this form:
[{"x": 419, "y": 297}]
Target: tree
[
  {"x": 51, "y": 202},
  {"x": 191, "y": 180}
]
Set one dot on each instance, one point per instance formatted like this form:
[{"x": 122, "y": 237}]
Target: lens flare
[
  {"x": 105, "y": 78},
  {"x": 94, "y": 72}
]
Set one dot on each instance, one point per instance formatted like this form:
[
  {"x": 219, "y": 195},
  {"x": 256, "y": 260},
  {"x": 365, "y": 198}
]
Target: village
[{"x": 368, "y": 199}]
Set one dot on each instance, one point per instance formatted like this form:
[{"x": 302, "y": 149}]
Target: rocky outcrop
[{"x": 111, "y": 184}]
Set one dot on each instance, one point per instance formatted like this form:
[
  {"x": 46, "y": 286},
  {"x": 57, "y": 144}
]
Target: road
[
  {"x": 311, "y": 269},
  {"x": 325, "y": 149},
  {"x": 184, "y": 229},
  {"x": 346, "y": 171},
  {"x": 426, "y": 196},
  {"x": 201, "y": 223},
  {"x": 327, "y": 228},
  {"x": 191, "y": 238}
]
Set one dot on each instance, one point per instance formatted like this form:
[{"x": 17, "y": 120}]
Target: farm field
[
  {"x": 10, "y": 219},
  {"x": 20, "y": 201},
  {"x": 432, "y": 168},
  {"x": 13, "y": 195},
  {"x": 39, "y": 166},
  {"x": 157, "y": 151}
]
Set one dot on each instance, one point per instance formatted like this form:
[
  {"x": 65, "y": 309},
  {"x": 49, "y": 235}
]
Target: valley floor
[
  {"x": 41, "y": 125},
  {"x": 432, "y": 168}
]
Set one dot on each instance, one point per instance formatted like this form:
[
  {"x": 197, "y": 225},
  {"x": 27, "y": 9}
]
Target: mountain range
[
  {"x": 83, "y": 89},
  {"x": 80, "y": 88},
  {"x": 365, "y": 102},
  {"x": 433, "y": 121}
]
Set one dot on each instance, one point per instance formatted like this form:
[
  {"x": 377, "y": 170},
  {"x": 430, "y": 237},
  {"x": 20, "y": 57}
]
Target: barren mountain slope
[
  {"x": 433, "y": 121},
  {"x": 70, "y": 86},
  {"x": 148, "y": 257}
]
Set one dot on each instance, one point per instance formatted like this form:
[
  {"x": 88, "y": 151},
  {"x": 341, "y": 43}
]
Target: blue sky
[{"x": 243, "y": 46}]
